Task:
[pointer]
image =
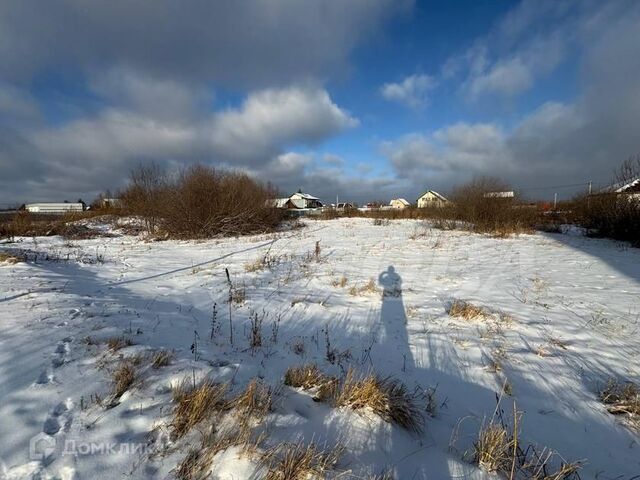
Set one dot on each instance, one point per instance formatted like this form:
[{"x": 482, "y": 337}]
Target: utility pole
[{"x": 555, "y": 200}]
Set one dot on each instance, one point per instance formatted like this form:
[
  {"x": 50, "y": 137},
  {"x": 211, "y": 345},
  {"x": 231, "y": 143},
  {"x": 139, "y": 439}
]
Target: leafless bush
[
  {"x": 612, "y": 214},
  {"x": 200, "y": 202}
]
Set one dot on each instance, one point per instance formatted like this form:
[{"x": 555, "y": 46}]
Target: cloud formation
[
  {"x": 249, "y": 44},
  {"x": 412, "y": 92},
  {"x": 92, "y": 153}
]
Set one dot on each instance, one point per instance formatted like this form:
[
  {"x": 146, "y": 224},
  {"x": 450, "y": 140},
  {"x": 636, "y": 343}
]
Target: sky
[{"x": 363, "y": 99}]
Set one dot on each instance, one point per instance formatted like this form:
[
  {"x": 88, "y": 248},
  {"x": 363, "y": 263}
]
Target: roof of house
[
  {"x": 401, "y": 200},
  {"x": 434, "y": 193},
  {"x": 621, "y": 187},
  {"x": 306, "y": 196}
]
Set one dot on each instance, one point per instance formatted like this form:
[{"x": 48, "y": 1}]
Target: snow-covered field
[{"x": 574, "y": 305}]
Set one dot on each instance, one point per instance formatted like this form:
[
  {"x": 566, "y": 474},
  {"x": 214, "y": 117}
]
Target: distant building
[
  {"x": 399, "y": 203},
  {"x": 54, "y": 208},
  {"x": 628, "y": 189},
  {"x": 431, "y": 198},
  {"x": 111, "y": 203},
  {"x": 297, "y": 201},
  {"x": 509, "y": 194}
]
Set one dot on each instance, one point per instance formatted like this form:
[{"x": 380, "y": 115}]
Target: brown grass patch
[
  {"x": 195, "y": 403},
  {"x": 162, "y": 358},
  {"x": 309, "y": 377},
  {"x": 466, "y": 310},
  {"x": 123, "y": 378},
  {"x": 369, "y": 287},
  {"x": 295, "y": 461},
  {"x": 340, "y": 282},
  {"x": 386, "y": 397},
  {"x": 622, "y": 398},
  {"x": 116, "y": 343},
  {"x": 255, "y": 402},
  {"x": 7, "y": 258},
  {"x": 498, "y": 449}
]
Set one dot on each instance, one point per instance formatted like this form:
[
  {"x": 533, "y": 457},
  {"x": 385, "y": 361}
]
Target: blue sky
[{"x": 367, "y": 99}]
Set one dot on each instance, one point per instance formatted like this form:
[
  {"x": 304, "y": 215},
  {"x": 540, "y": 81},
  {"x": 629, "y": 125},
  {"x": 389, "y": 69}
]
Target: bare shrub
[
  {"x": 481, "y": 206},
  {"x": 610, "y": 213},
  {"x": 195, "y": 403},
  {"x": 296, "y": 461},
  {"x": 200, "y": 202},
  {"x": 386, "y": 397}
]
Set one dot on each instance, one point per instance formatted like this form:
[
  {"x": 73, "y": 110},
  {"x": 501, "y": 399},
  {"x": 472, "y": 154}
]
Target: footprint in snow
[{"x": 61, "y": 353}]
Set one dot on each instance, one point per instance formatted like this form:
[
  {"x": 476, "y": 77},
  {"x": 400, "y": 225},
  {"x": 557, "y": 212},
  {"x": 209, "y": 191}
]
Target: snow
[{"x": 575, "y": 317}]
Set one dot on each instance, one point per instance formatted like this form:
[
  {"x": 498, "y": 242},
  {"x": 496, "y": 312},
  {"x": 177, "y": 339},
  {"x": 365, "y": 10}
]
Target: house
[
  {"x": 304, "y": 200},
  {"x": 344, "y": 206},
  {"x": 111, "y": 203},
  {"x": 399, "y": 203},
  {"x": 508, "y": 194},
  {"x": 627, "y": 189},
  {"x": 54, "y": 208},
  {"x": 430, "y": 199},
  {"x": 297, "y": 201}
]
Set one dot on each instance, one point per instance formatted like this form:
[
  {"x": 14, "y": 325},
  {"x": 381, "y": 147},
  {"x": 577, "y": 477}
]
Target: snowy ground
[{"x": 574, "y": 304}]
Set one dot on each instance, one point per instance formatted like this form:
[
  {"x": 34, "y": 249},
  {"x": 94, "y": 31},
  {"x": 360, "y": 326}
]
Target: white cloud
[
  {"x": 272, "y": 118},
  {"x": 97, "y": 152},
  {"x": 413, "y": 91}
]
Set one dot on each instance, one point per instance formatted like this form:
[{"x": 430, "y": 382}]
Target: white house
[
  {"x": 431, "y": 198},
  {"x": 54, "y": 208},
  {"x": 399, "y": 203},
  {"x": 297, "y": 201},
  {"x": 304, "y": 200}
]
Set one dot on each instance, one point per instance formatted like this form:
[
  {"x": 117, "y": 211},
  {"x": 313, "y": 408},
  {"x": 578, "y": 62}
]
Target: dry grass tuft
[
  {"x": 369, "y": 287},
  {"x": 116, "y": 343},
  {"x": 295, "y": 461},
  {"x": 195, "y": 403},
  {"x": 309, "y": 377},
  {"x": 255, "y": 402},
  {"x": 622, "y": 398},
  {"x": 386, "y": 397},
  {"x": 498, "y": 450},
  {"x": 466, "y": 310},
  {"x": 123, "y": 378},
  {"x": 162, "y": 358},
  {"x": 493, "y": 451},
  {"x": 340, "y": 282},
  {"x": 5, "y": 257}
]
